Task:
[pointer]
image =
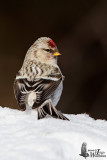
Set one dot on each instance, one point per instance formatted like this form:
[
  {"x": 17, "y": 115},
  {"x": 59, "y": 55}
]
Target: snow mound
[{"x": 23, "y": 137}]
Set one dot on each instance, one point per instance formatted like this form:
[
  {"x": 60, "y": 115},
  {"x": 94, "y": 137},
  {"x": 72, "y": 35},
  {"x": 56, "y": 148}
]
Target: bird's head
[{"x": 44, "y": 50}]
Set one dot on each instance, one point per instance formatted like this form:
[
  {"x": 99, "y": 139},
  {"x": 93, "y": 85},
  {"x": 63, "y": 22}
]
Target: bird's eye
[{"x": 47, "y": 50}]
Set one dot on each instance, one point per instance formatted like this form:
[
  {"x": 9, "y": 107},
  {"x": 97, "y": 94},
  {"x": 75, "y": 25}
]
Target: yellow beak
[{"x": 56, "y": 54}]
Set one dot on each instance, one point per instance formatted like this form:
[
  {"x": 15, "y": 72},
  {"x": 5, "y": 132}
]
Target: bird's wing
[
  {"x": 44, "y": 89},
  {"x": 20, "y": 93},
  {"x": 44, "y": 105}
]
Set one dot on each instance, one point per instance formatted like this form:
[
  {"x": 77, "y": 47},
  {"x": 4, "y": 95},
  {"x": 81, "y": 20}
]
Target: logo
[{"x": 91, "y": 152}]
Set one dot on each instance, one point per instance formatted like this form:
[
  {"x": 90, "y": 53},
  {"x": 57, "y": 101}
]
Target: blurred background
[{"x": 79, "y": 28}]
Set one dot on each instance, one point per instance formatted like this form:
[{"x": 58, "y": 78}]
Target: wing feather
[
  {"x": 48, "y": 87},
  {"x": 42, "y": 87},
  {"x": 19, "y": 95}
]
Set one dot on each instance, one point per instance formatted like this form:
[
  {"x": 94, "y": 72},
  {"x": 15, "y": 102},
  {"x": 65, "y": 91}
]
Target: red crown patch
[{"x": 51, "y": 43}]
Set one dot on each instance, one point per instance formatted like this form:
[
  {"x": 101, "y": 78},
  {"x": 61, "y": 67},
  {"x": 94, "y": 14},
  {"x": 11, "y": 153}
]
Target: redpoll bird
[{"x": 39, "y": 83}]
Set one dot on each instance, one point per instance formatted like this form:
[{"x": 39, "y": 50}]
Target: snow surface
[{"x": 23, "y": 137}]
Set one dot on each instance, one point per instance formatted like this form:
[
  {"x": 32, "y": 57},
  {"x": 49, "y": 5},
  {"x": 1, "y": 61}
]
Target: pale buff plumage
[{"x": 33, "y": 69}]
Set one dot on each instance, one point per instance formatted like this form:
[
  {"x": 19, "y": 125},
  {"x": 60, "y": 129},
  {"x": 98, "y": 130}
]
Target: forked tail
[{"x": 48, "y": 109}]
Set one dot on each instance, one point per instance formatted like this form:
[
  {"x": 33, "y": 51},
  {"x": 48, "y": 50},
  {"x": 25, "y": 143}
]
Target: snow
[{"x": 23, "y": 137}]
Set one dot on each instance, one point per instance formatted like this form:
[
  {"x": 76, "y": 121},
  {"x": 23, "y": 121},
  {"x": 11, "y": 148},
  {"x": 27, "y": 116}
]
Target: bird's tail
[{"x": 48, "y": 109}]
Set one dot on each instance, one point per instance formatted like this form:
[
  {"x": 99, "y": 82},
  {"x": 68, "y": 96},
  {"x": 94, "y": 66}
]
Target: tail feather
[
  {"x": 41, "y": 113},
  {"x": 48, "y": 109}
]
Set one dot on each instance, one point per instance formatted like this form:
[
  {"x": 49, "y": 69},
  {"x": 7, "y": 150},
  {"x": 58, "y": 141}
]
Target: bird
[{"x": 39, "y": 83}]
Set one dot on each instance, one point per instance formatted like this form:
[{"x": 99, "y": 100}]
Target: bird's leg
[{"x": 47, "y": 108}]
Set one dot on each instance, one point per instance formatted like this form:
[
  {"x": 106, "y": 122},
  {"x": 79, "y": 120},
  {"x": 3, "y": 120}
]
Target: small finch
[{"x": 39, "y": 83}]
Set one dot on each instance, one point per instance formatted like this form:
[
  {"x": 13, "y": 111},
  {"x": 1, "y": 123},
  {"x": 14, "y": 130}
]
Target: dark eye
[{"x": 48, "y": 50}]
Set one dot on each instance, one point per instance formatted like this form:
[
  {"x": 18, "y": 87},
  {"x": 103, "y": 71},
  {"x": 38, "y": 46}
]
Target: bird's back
[{"x": 40, "y": 75}]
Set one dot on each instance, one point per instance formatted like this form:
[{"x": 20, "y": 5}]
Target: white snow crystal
[{"x": 23, "y": 137}]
